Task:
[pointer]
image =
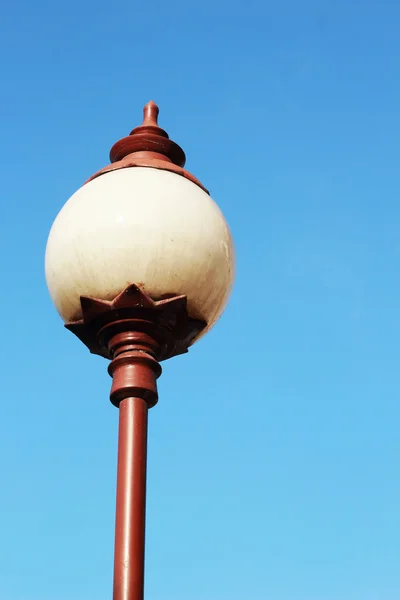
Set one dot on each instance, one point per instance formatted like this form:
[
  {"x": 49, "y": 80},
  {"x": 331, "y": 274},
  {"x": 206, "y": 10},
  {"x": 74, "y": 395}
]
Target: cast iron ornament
[
  {"x": 148, "y": 146},
  {"x": 166, "y": 321}
]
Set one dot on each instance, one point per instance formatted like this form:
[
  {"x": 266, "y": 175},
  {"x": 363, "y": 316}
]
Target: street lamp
[{"x": 139, "y": 265}]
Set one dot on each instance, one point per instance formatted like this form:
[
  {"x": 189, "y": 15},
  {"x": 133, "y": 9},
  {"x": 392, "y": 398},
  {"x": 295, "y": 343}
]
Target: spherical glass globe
[{"x": 145, "y": 226}]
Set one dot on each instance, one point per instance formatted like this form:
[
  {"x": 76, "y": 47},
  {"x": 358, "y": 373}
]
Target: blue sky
[{"x": 274, "y": 449}]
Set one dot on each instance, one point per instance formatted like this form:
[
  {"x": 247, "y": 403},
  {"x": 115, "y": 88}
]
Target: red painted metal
[
  {"x": 166, "y": 319},
  {"x": 135, "y": 332},
  {"x": 134, "y": 370},
  {"x": 148, "y": 146},
  {"x": 131, "y": 501}
]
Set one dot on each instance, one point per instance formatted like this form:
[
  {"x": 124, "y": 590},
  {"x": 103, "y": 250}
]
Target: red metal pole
[
  {"x": 135, "y": 333},
  {"x": 134, "y": 369},
  {"x": 131, "y": 500}
]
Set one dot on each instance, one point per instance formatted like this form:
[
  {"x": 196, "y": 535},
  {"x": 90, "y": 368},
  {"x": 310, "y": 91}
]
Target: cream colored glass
[{"x": 144, "y": 226}]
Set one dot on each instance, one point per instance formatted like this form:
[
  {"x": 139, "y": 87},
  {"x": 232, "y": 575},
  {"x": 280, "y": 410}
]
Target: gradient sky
[{"x": 274, "y": 449}]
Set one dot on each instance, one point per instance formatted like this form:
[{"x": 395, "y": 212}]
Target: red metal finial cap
[
  {"x": 148, "y": 146},
  {"x": 148, "y": 138},
  {"x": 150, "y": 121},
  {"x": 150, "y": 114}
]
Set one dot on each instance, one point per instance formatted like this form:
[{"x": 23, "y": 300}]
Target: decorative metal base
[
  {"x": 167, "y": 321},
  {"x": 135, "y": 333}
]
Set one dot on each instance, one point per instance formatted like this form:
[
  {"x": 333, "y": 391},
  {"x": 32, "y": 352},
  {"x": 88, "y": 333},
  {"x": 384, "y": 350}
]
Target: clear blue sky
[{"x": 274, "y": 449}]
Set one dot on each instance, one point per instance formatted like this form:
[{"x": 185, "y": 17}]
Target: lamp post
[{"x": 139, "y": 265}]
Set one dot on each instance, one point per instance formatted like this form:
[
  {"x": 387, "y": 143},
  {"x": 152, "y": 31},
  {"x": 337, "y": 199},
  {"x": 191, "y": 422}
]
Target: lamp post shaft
[
  {"x": 135, "y": 333},
  {"x": 131, "y": 500},
  {"x": 134, "y": 370}
]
